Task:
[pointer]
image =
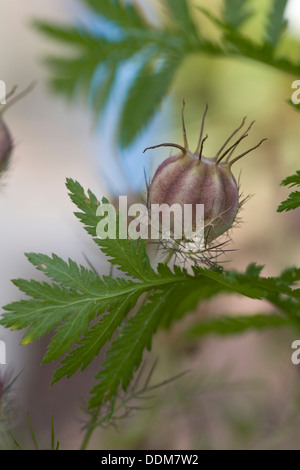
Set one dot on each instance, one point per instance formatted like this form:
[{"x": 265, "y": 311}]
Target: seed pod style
[{"x": 192, "y": 178}]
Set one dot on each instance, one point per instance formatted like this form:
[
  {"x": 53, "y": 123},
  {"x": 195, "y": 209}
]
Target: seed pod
[{"x": 191, "y": 178}]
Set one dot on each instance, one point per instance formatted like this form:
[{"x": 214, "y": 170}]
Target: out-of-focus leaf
[
  {"x": 224, "y": 326},
  {"x": 276, "y": 22},
  {"x": 144, "y": 98},
  {"x": 236, "y": 12},
  {"x": 295, "y": 106},
  {"x": 293, "y": 201},
  {"x": 237, "y": 44},
  {"x": 122, "y": 13},
  {"x": 181, "y": 15}
]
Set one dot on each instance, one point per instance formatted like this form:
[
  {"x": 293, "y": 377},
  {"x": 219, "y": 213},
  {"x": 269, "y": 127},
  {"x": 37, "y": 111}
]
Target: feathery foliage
[
  {"x": 293, "y": 201},
  {"x": 158, "y": 51},
  {"x": 85, "y": 310}
]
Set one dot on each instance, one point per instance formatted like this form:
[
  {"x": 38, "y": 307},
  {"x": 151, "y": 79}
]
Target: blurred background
[{"x": 241, "y": 392}]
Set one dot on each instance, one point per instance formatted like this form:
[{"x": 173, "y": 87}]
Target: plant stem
[
  {"x": 170, "y": 253},
  {"x": 93, "y": 423},
  {"x": 169, "y": 256},
  {"x": 91, "y": 427}
]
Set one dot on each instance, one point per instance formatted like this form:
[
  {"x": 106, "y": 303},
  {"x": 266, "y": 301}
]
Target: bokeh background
[{"x": 240, "y": 392}]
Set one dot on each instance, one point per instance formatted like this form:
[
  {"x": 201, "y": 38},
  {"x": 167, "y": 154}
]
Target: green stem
[
  {"x": 170, "y": 253},
  {"x": 91, "y": 427},
  {"x": 93, "y": 423},
  {"x": 169, "y": 256}
]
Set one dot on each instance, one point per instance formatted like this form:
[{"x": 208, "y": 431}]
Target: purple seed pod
[{"x": 191, "y": 178}]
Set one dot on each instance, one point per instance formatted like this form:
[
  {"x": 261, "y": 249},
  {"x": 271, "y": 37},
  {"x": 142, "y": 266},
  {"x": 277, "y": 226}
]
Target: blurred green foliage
[{"x": 157, "y": 51}]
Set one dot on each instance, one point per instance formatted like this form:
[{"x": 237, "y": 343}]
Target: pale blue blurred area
[
  {"x": 55, "y": 140},
  {"x": 121, "y": 170}
]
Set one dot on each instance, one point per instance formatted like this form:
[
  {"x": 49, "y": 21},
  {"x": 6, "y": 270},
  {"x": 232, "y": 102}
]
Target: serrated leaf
[
  {"x": 276, "y": 23},
  {"x": 294, "y": 105},
  {"x": 239, "y": 45},
  {"x": 171, "y": 304},
  {"x": 235, "y": 12},
  {"x": 72, "y": 75},
  {"x": 43, "y": 315},
  {"x": 122, "y": 13},
  {"x": 129, "y": 255},
  {"x": 100, "y": 95},
  {"x": 91, "y": 344},
  {"x": 254, "y": 286},
  {"x": 181, "y": 15},
  {"x": 291, "y": 181},
  {"x": 69, "y": 274},
  {"x": 293, "y": 201},
  {"x": 125, "y": 353},
  {"x": 72, "y": 329},
  {"x": 186, "y": 300},
  {"x": 254, "y": 270},
  {"x": 224, "y": 326},
  {"x": 290, "y": 276},
  {"x": 85, "y": 310},
  {"x": 144, "y": 98},
  {"x": 133, "y": 38},
  {"x": 68, "y": 306},
  {"x": 41, "y": 290},
  {"x": 71, "y": 36}
]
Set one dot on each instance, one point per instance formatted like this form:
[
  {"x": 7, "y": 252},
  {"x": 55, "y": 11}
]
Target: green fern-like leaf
[
  {"x": 293, "y": 201},
  {"x": 91, "y": 344},
  {"x": 181, "y": 15},
  {"x": 119, "y": 12},
  {"x": 224, "y": 326},
  {"x": 276, "y": 22},
  {"x": 91, "y": 64},
  {"x": 126, "y": 352},
  {"x": 295, "y": 106},
  {"x": 238, "y": 45},
  {"x": 144, "y": 98},
  {"x": 69, "y": 305},
  {"x": 235, "y": 12},
  {"x": 129, "y": 255},
  {"x": 84, "y": 310}
]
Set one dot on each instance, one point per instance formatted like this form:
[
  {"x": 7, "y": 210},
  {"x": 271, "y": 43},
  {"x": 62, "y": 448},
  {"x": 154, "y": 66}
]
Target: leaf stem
[
  {"x": 93, "y": 423},
  {"x": 170, "y": 253},
  {"x": 90, "y": 429},
  {"x": 169, "y": 256}
]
